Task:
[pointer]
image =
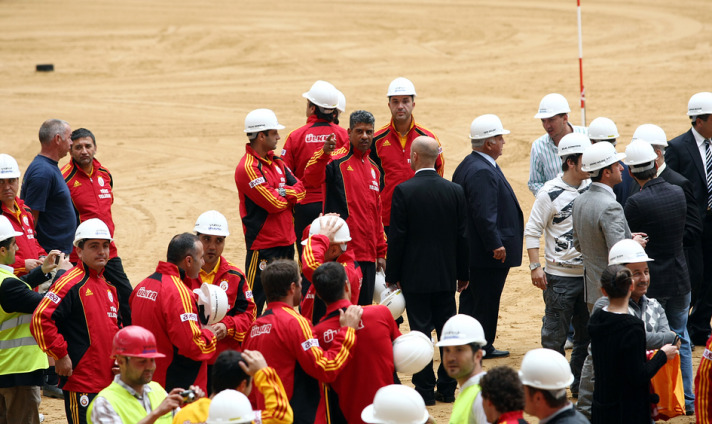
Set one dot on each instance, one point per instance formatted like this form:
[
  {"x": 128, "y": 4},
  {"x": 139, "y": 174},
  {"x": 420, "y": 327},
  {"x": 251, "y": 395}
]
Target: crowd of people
[{"x": 627, "y": 268}]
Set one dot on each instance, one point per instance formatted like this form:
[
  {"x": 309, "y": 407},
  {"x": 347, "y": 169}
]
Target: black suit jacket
[
  {"x": 659, "y": 211},
  {"x": 494, "y": 218},
  {"x": 427, "y": 249},
  {"x": 683, "y": 156}
]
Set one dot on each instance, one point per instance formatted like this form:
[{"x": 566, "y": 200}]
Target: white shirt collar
[
  {"x": 568, "y": 406},
  {"x": 7, "y": 268},
  {"x": 475, "y": 379},
  {"x": 425, "y": 169},
  {"x": 488, "y": 157},
  {"x": 608, "y": 189},
  {"x": 661, "y": 168},
  {"x": 698, "y": 138}
]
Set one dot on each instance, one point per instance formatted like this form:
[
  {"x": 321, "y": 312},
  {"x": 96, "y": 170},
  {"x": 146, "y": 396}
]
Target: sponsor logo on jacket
[{"x": 258, "y": 330}]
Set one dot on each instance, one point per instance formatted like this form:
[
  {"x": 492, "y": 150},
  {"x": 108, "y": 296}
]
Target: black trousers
[
  {"x": 368, "y": 269},
  {"x": 427, "y": 312},
  {"x": 114, "y": 273},
  {"x": 481, "y": 299},
  {"x": 255, "y": 262},
  {"x": 698, "y": 324}
]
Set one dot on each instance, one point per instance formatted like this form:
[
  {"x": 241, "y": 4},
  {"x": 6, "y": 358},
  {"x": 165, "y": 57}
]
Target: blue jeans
[{"x": 677, "y": 309}]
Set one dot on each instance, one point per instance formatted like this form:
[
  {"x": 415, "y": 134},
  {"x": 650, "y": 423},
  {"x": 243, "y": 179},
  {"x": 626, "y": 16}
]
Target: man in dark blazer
[
  {"x": 687, "y": 154},
  {"x": 659, "y": 210},
  {"x": 495, "y": 226},
  {"x": 427, "y": 255}
]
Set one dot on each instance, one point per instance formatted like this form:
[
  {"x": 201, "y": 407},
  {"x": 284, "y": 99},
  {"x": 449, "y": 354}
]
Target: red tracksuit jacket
[
  {"x": 373, "y": 354},
  {"x": 703, "y": 386},
  {"x": 286, "y": 340},
  {"x": 242, "y": 312},
  {"x": 27, "y": 245},
  {"x": 352, "y": 190},
  {"x": 163, "y": 304},
  {"x": 301, "y": 145},
  {"x": 92, "y": 197},
  {"x": 312, "y": 258},
  {"x": 78, "y": 317},
  {"x": 391, "y": 152},
  {"x": 266, "y": 215}
]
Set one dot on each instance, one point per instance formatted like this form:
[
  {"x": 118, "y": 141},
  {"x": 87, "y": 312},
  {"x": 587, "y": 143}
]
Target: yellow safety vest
[
  {"x": 462, "y": 409},
  {"x": 129, "y": 409},
  {"x": 19, "y": 352}
]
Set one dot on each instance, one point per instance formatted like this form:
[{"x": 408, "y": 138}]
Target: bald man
[{"x": 428, "y": 254}]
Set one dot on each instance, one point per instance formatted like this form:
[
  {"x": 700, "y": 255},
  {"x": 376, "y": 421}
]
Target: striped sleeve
[
  {"x": 313, "y": 254},
  {"x": 182, "y": 324},
  {"x": 315, "y": 171},
  {"x": 255, "y": 186},
  {"x": 277, "y": 409},
  {"x": 703, "y": 387}
]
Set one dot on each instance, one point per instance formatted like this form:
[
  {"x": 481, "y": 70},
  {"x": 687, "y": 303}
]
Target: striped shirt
[{"x": 544, "y": 162}]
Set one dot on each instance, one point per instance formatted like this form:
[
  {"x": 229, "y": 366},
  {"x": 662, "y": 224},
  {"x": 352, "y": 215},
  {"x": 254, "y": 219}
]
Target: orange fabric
[{"x": 667, "y": 384}]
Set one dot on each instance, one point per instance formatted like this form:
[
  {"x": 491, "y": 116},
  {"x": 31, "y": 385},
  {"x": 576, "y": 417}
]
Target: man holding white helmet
[
  {"x": 545, "y": 375},
  {"x": 659, "y": 210},
  {"x": 392, "y": 143},
  {"x": 495, "y": 225},
  {"x": 544, "y": 162},
  {"x": 598, "y": 219},
  {"x": 328, "y": 241},
  {"x": 463, "y": 342},
  {"x": 322, "y": 101},
  {"x": 561, "y": 279},
  {"x": 164, "y": 304},
  {"x": 604, "y": 129},
  {"x": 690, "y": 154},
  {"x": 268, "y": 192},
  {"x": 77, "y": 319},
  {"x": 212, "y": 230}
]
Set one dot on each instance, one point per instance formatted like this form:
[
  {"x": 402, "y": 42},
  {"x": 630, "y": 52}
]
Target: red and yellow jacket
[
  {"x": 92, "y": 197},
  {"x": 287, "y": 342},
  {"x": 266, "y": 215},
  {"x": 78, "y": 316},
  {"x": 312, "y": 258},
  {"x": 163, "y": 304},
  {"x": 242, "y": 312},
  {"x": 301, "y": 145},
  {"x": 351, "y": 189},
  {"x": 27, "y": 245},
  {"x": 391, "y": 153},
  {"x": 703, "y": 386}
]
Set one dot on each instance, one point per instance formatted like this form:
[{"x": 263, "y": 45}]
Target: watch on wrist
[{"x": 534, "y": 266}]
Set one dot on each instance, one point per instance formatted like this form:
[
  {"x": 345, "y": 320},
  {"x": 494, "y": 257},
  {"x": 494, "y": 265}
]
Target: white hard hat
[
  {"x": 460, "y": 330},
  {"x": 627, "y": 251},
  {"x": 401, "y": 87},
  {"x": 602, "y": 129},
  {"x": 212, "y": 223},
  {"x": 653, "y": 134},
  {"x": 396, "y": 404},
  {"x": 342, "y": 234},
  {"x": 93, "y": 228},
  {"x": 6, "y": 229},
  {"x": 379, "y": 286},
  {"x": 640, "y": 152},
  {"x": 546, "y": 369},
  {"x": 230, "y": 407},
  {"x": 412, "y": 352},
  {"x": 261, "y": 120},
  {"x": 700, "y": 104},
  {"x": 8, "y": 167},
  {"x": 573, "y": 143},
  {"x": 486, "y": 126},
  {"x": 599, "y": 156},
  {"x": 552, "y": 104},
  {"x": 214, "y": 301},
  {"x": 323, "y": 94},
  {"x": 341, "y": 104},
  {"x": 395, "y": 302}
]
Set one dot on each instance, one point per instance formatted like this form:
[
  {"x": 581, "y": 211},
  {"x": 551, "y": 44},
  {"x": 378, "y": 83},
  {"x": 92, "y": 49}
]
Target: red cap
[{"x": 135, "y": 341}]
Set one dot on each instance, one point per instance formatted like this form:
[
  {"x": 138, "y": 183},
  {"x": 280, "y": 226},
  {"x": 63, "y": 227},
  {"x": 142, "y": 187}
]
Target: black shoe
[
  {"x": 429, "y": 402},
  {"x": 52, "y": 392},
  {"x": 495, "y": 353},
  {"x": 440, "y": 397}
]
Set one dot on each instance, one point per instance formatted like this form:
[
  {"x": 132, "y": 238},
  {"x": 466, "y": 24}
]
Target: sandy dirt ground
[{"x": 165, "y": 86}]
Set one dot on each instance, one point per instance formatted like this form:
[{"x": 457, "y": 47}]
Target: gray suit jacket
[{"x": 599, "y": 223}]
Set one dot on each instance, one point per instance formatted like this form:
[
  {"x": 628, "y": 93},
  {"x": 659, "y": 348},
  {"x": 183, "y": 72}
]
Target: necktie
[{"x": 708, "y": 157}]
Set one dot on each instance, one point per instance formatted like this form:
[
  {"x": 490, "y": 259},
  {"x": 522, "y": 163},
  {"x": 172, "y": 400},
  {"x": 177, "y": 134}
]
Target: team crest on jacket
[
  {"x": 84, "y": 400},
  {"x": 279, "y": 171},
  {"x": 111, "y": 296},
  {"x": 25, "y": 220},
  {"x": 373, "y": 173},
  {"x": 100, "y": 181},
  {"x": 223, "y": 285},
  {"x": 263, "y": 264}
]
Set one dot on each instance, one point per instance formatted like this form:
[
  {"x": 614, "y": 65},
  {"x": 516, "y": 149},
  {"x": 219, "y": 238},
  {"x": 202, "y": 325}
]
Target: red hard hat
[{"x": 135, "y": 341}]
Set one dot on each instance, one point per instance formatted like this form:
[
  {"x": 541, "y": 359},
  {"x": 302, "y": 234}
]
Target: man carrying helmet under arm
[{"x": 268, "y": 192}]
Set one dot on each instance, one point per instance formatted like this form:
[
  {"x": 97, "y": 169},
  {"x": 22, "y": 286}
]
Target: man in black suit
[
  {"x": 495, "y": 226},
  {"x": 690, "y": 154},
  {"x": 427, "y": 254},
  {"x": 659, "y": 210}
]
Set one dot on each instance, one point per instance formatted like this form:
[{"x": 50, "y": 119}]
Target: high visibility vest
[
  {"x": 19, "y": 352},
  {"x": 129, "y": 408},
  {"x": 462, "y": 408}
]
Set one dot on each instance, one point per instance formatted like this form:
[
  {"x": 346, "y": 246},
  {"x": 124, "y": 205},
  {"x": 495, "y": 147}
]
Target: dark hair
[
  {"x": 412, "y": 97},
  {"x": 7, "y": 243},
  {"x": 565, "y": 161},
  {"x": 227, "y": 373},
  {"x": 645, "y": 175},
  {"x": 502, "y": 386},
  {"x": 328, "y": 281},
  {"x": 277, "y": 277},
  {"x": 328, "y": 117},
  {"x": 82, "y": 133},
  {"x": 599, "y": 175},
  {"x": 361, "y": 117},
  {"x": 616, "y": 280},
  {"x": 704, "y": 117},
  {"x": 51, "y": 128},
  {"x": 181, "y": 245},
  {"x": 551, "y": 400}
]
